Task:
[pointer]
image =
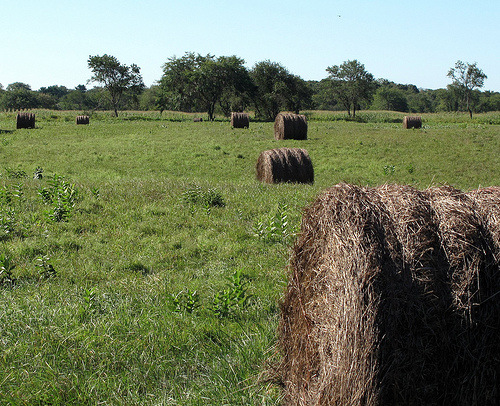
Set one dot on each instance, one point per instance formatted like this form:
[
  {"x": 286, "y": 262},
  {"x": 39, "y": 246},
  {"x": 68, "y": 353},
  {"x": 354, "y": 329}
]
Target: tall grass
[{"x": 100, "y": 328}]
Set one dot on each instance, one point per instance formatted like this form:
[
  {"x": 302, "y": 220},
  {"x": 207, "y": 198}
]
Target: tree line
[{"x": 220, "y": 85}]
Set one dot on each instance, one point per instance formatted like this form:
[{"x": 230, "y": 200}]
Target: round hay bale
[
  {"x": 82, "y": 119},
  {"x": 285, "y": 165},
  {"x": 391, "y": 300},
  {"x": 288, "y": 126},
  {"x": 25, "y": 120},
  {"x": 412, "y": 122},
  {"x": 487, "y": 201},
  {"x": 240, "y": 120}
]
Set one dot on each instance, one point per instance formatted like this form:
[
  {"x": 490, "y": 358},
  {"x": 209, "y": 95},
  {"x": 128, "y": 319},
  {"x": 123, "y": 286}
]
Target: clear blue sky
[{"x": 48, "y": 42}]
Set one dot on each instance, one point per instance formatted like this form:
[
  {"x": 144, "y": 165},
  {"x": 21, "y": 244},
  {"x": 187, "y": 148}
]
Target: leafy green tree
[
  {"x": 445, "y": 99},
  {"x": 78, "y": 99},
  {"x": 147, "y": 99},
  {"x": 197, "y": 81},
  {"x": 466, "y": 78},
  {"x": 277, "y": 90},
  {"x": 300, "y": 94},
  {"x": 322, "y": 96},
  {"x": 238, "y": 87},
  {"x": 421, "y": 102},
  {"x": 270, "y": 79},
  {"x": 19, "y": 96},
  {"x": 390, "y": 98},
  {"x": 116, "y": 78},
  {"x": 177, "y": 89},
  {"x": 46, "y": 101},
  {"x": 216, "y": 77},
  {"x": 489, "y": 101},
  {"x": 56, "y": 91},
  {"x": 351, "y": 84}
]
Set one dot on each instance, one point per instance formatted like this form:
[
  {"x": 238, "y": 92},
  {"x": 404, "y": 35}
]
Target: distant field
[{"x": 99, "y": 307}]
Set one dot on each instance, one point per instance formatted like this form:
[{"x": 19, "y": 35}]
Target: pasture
[{"x": 145, "y": 265}]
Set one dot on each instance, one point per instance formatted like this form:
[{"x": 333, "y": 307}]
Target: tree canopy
[
  {"x": 115, "y": 77},
  {"x": 220, "y": 85},
  {"x": 202, "y": 81},
  {"x": 351, "y": 84},
  {"x": 277, "y": 90},
  {"x": 467, "y": 77}
]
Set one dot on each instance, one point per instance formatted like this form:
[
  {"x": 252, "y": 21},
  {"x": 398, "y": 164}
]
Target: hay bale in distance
[
  {"x": 25, "y": 120},
  {"x": 82, "y": 119},
  {"x": 393, "y": 298},
  {"x": 240, "y": 120},
  {"x": 197, "y": 119},
  {"x": 412, "y": 122},
  {"x": 288, "y": 126},
  {"x": 285, "y": 165}
]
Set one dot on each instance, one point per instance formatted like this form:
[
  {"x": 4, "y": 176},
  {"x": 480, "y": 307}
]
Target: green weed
[
  {"x": 61, "y": 196},
  {"x": 275, "y": 227},
  {"x": 233, "y": 297},
  {"x": 185, "y": 301},
  {"x": 45, "y": 268},
  {"x": 6, "y": 268},
  {"x": 206, "y": 198},
  {"x": 389, "y": 170},
  {"x": 38, "y": 174}
]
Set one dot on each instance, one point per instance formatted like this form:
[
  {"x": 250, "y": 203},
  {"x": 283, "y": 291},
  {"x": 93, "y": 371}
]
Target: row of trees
[{"x": 223, "y": 84}]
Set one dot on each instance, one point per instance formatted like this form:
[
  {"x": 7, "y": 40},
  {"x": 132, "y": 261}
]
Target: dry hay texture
[
  {"x": 240, "y": 120},
  {"x": 285, "y": 165},
  {"x": 393, "y": 299},
  {"x": 25, "y": 120},
  {"x": 82, "y": 119},
  {"x": 412, "y": 122},
  {"x": 288, "y": 126}
]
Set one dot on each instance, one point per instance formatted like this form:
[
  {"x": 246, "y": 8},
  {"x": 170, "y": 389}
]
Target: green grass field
[{"x": 147, "y": 265}]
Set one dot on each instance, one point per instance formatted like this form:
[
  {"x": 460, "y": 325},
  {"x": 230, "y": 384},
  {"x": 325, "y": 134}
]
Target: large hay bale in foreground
[
  {"x": 288, "y": 126},
  {"x": 412, "y": 122},
  {"x": 393, "y": 299},
  {"x": 487, "y": 203},
  {"x": 82, "y": 120},
  {"x": 25, "y": 120},
  {"x": 240, "y": 120},
  {"x": 285, "y": 165}
]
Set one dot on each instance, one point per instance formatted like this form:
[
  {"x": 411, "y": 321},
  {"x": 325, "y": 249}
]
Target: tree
[
  {"x": 197, "y": 81},
  {"x": 56, "y": 91},
  {"x": 19, "y": 96},
  {"x": 238, "y": 86},
  {"x": 116, "y": 78},
  {"x": 78, "y": 99},
  {"x": 467, "y": 77},
  {"x": 388, "y": 97},
  {"x": 322, "y": 96},
  {"x": 277, "y": 90},
  {"x": 351, "y": 84},
  {"x": 215, "y": 78}
]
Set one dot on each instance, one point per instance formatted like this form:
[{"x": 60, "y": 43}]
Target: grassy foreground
[{"x": 146, "y": 265}]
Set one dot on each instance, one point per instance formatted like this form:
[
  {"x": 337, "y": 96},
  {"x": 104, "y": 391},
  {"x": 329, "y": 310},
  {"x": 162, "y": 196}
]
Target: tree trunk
[
  {"x": 467, "y": 100},
  {"x": 211, "y": 110}
]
